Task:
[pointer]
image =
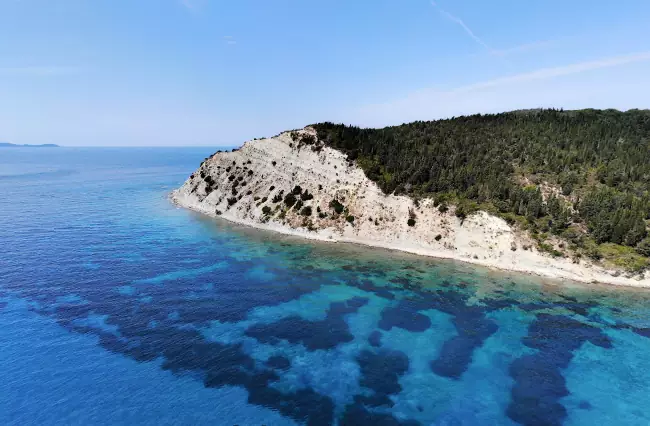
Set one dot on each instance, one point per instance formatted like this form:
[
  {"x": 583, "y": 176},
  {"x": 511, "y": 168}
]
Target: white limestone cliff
[{"x": 262, "y": 172}]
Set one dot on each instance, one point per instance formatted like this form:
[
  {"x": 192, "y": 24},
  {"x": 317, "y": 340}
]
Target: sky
[{"x": 219, "y": 72}]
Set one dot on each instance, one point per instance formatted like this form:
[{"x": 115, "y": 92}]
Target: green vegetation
[
  {"x": 306, "y": 211},
  {"x": 290, "y": 199},
  {"x": 597, "y": 164},
  {"x": 337, "y": 206},
  {"x": 623, "y": 257}
]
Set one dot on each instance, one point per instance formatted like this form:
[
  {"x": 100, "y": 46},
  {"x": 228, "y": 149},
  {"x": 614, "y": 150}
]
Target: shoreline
[
  {"x": 315, "y": 192},
  {"x": 326, "y": 237}
]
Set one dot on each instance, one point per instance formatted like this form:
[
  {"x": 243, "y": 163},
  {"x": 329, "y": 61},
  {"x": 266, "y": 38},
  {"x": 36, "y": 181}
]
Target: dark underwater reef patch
[
  {"x": 456, "y": 353},
  {"x": 470, "y": 321},
  {"x": 375, "y": 339},
  {"x": 278, "y": 362},
  {"x": 539, "y": 384},
  {"x": 406, "y": 316},
  {"x": 356, "y": 414},
  {"x": 370, "y": 287},
  {"x": 472, "y": 326},
  {"x": 380, "y": 372},
  {"x": 315, "y": 335}
]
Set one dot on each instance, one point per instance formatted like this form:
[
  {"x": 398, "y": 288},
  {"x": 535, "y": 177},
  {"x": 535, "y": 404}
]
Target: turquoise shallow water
[{"x": 118, "y": 308}]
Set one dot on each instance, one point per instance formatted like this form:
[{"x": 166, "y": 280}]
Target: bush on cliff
[{"x": 337, "y": 206}]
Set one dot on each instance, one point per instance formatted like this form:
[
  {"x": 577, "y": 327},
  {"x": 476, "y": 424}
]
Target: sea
[{"x": 117, "y": 307}]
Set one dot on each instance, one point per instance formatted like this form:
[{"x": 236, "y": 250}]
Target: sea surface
[{"x": 116, "y": 307}]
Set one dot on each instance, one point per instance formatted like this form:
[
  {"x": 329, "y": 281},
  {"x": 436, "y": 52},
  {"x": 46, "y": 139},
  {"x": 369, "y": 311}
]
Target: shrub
[
  {"x": 264, "y": 200},
  {"x": 307, "y": 139},
  {"x": 250, "y": 173},
  {"x": 438, "y": 237},
  {"x": 290, "y": 199},
  {"x": 306, "y": 211},
  {"x": 337, "y": 206},
  {"x": 298, "y": 205},
  {"x": 232, "y": 201},
  {"x": 296, "y": 190},
  {"x": 322, "y": 215},
  {"x": 349, "y": 218},
  {"x": 231, "y": 177},
  {"x": 218, "y": 212},
  {"x": 411, "y": 222},
  {"x": 306, "y": 196},
  {"x": 273, "y": 162},
  {"x": 266, "y": 209},
  {"x": 277, "y": 198},
  {"x": 443, "y": 208},
  {"x": 643, "y": 248},
  {"x": 272, "y": 188},
  {"x": 249, "y": 192},
  {"x": 320, "y": 187}
]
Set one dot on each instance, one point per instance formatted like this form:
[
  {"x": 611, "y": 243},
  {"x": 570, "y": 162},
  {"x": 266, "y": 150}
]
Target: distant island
[
  {"x": 13, "y": 145},
  {"x": 556, "y": 193}
]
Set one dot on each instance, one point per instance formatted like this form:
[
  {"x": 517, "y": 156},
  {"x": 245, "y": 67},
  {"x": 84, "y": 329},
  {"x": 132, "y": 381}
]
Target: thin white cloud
[
  {"x": 545, "y": 87},
  {"x": 462, "y": 24},
  {"x": 547, "y": 73},
  {"x": 40, "y": 70},
  {"x": 230, "y": 40},
  {"x": 522, "y": 48}
]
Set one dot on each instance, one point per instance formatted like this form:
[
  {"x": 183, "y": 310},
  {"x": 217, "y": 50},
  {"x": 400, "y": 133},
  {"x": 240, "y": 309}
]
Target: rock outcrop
[{"x": 292, "y": 183}]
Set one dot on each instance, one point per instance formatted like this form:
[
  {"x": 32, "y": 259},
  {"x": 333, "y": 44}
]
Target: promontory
[{"x": 562, "y": 194}]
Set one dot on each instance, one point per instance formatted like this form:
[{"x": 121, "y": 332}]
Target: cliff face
[{"x": 293, "y": 184}]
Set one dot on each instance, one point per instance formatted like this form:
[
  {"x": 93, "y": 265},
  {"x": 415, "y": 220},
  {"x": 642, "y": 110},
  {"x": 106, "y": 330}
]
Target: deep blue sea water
[{"x": 118, "y": 308}]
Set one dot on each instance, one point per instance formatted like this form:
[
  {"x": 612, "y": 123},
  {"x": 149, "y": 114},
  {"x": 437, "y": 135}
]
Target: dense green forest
[{"x": 598, "y": 160}]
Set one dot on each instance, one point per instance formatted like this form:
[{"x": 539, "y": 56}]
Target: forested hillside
[{"x": 583, "y": 175}]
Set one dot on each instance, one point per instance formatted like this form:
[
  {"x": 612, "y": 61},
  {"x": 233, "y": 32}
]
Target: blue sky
[{"x": 216, "y": 72}]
